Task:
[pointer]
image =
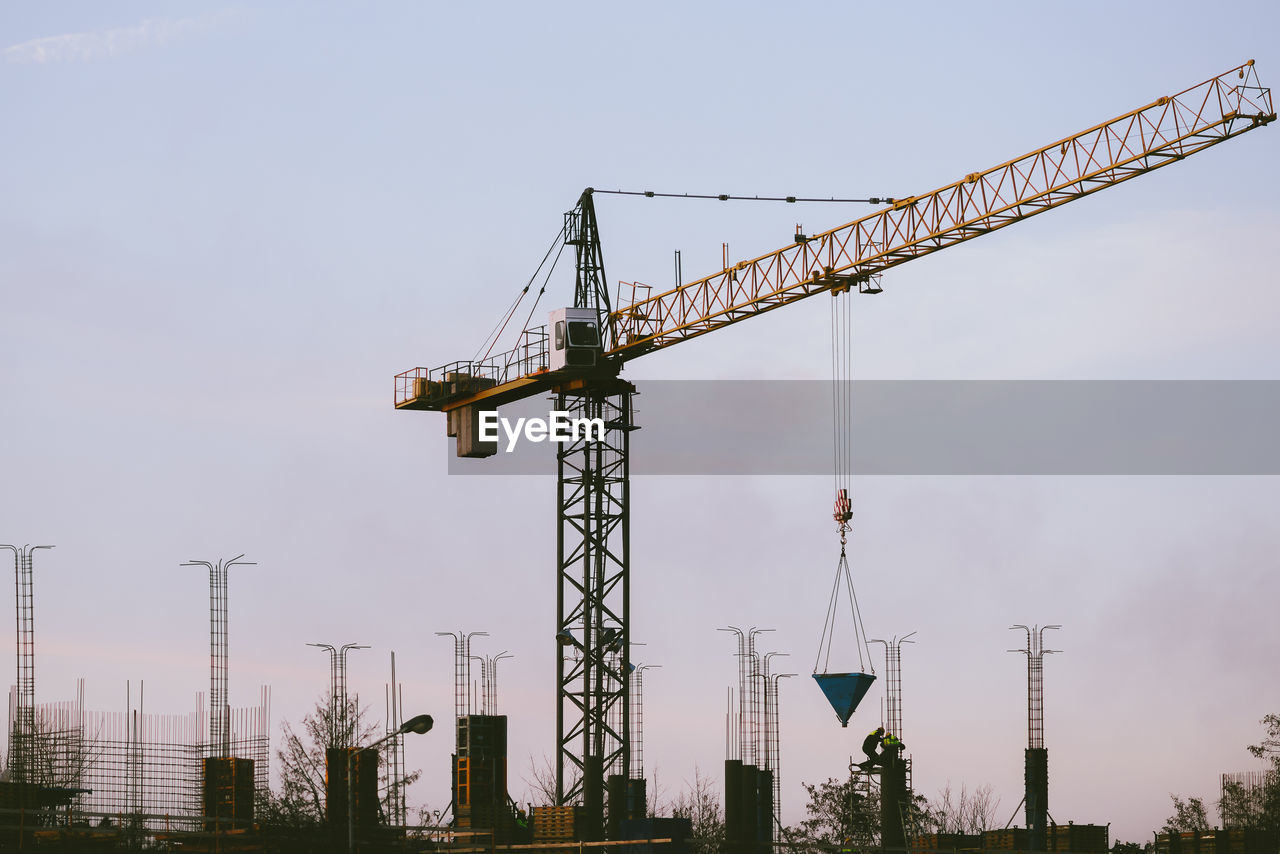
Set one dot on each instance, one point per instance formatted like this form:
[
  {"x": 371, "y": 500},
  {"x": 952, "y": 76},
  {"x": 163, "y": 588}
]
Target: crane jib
[
  {"x": 853, "y": 255},
  {"x": 1140, "y": 141}
]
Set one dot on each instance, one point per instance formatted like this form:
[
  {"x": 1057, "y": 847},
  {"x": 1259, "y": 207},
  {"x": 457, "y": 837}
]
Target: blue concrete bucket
[{"x": 844, "y": 691}]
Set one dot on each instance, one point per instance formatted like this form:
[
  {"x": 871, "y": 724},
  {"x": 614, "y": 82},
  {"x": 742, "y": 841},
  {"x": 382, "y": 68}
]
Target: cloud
[{"x": 103, "y": 44}]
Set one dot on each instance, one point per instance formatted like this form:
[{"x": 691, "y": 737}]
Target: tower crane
[{"x": 578, "y": 358}]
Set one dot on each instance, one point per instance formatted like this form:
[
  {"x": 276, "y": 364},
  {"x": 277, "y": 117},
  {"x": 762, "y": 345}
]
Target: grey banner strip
[{"x": 1218, "y": 427}]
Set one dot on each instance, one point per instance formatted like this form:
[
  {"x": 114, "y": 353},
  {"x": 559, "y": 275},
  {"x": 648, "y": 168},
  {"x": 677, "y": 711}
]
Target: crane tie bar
[{"x": 725, "y": 197}]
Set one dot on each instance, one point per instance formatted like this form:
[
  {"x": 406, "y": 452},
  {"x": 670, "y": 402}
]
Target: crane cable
[
  {"x": 495, "y": 334},
  {"x": 542, "y": 290},
  {"x": 842, "y": 452},
  {"x": 492, "y": 338}
]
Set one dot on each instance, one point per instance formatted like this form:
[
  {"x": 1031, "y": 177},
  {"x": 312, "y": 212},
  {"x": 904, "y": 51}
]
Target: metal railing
[{"x": 429, "y": 386}]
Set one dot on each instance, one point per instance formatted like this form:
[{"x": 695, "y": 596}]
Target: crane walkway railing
[{"x": 429, "y": 388}]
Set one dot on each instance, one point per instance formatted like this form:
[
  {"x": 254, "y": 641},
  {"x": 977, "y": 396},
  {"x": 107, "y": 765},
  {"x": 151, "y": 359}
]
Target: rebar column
[
  {"x": 1036, "y": 758},
  {"x": 340, "y": 726},
  {"x": 24, "y": 722},
  {"x": 742, "y": 693},
  {"x": 893, "y": 680},
  {"x": 751, "y": 687},
  {"x": 637, "y": 720},
  {"x": 461, "y": 670},
  {"x": 219, "y": 710},
  {"x": 394, "y": 752},
  {"x": 134, "y": 757},
  {"x": 491, "y": 693},
  {"x": 755, "y": 689},
  {"x": 773, "y": 737}
]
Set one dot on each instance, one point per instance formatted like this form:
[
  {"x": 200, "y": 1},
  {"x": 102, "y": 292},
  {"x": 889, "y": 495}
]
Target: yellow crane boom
[
  {"x": 1105, "y": 155},
  {"x": 852, "y": 255}
]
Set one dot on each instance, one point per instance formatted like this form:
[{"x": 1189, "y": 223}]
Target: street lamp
[{"x": 418, "y": 724}]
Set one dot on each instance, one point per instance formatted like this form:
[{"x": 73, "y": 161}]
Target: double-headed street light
[{"x": 418, "y": 724}]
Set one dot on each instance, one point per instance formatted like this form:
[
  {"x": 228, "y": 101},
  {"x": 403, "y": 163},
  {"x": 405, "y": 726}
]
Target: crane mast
[
  {"x": 593, "y": 542},
  {"x": 593, "y": 595},
  {"x": 591, "y": 288}
]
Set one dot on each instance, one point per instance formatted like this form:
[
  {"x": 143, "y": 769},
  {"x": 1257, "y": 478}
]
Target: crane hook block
[
  {"x": 844, "y": 508},
  {"x": 844, "y": 691}
]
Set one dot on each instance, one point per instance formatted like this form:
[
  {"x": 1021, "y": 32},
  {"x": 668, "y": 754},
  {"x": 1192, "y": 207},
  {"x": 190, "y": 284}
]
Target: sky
[{"x": 225, "y": 228}]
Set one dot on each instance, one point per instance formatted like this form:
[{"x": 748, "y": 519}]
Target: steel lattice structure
[
  {"x": 1140, "y": 141},
  {"x": 593, "y": 600}
]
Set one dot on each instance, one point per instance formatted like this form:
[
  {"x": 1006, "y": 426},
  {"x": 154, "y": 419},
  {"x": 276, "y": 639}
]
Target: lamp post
[{"x": 416, "y": 724}]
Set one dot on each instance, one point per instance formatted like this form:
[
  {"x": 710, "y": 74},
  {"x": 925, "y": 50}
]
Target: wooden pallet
[
  {"x": 1013, "y": 839},
  {"x": 556, "y": 824}
]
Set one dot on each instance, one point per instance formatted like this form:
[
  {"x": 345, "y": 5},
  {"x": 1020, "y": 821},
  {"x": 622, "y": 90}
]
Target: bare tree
[
  {"x": 966, "y": 812},
  {"x": 655, "y": 801},
  {"x": 700, "y": 803},
  {"x": 541, "y": 781},
  {"x": 300, "y": 799},
  {"x": 56, "y": 754}
]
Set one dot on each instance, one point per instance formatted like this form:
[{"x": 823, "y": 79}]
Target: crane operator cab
[{"x": 575, "y": 338}]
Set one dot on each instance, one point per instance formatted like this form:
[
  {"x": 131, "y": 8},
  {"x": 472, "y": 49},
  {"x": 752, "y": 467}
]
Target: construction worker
[
  {"x": 870, "y": 746},
  {"x": 892, "y": 747}
]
